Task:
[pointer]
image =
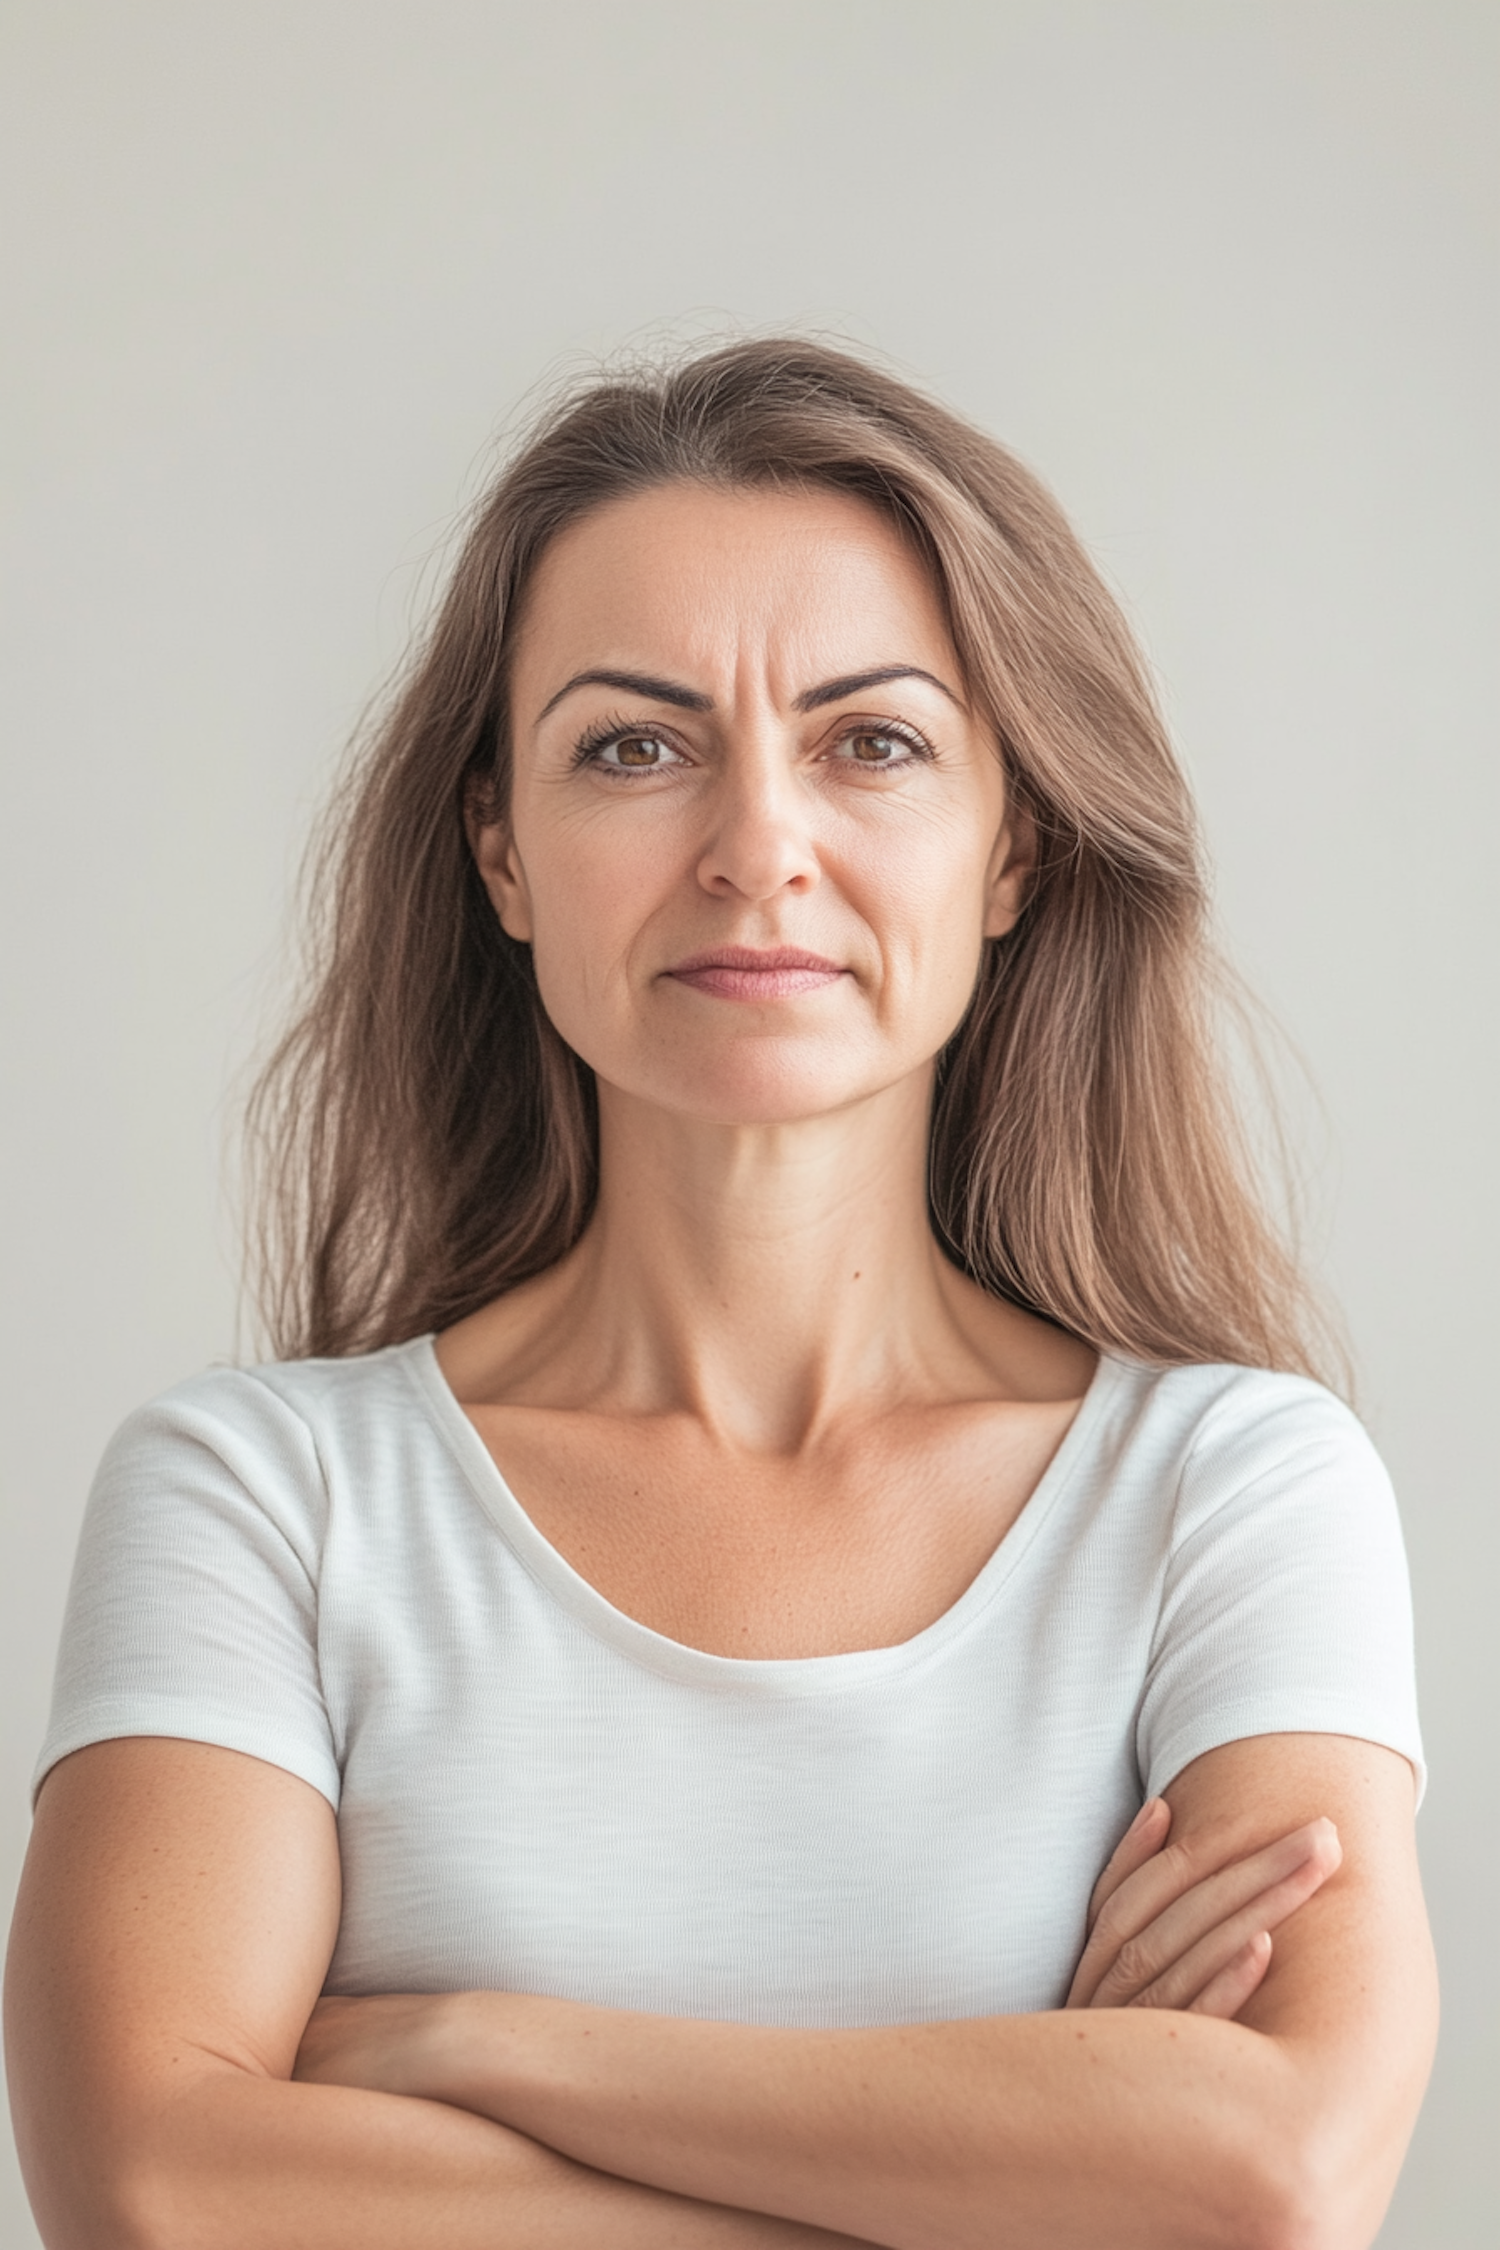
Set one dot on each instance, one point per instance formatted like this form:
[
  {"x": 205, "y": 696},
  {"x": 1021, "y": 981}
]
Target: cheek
[
  {"x": 590, "y": 902},
  {"x": 926, "y": 902},
  {"x": 942, "y": 968}
]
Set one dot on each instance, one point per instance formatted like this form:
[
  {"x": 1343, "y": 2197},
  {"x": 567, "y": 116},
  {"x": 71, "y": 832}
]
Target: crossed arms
[{"x": 178, "y": 2085}]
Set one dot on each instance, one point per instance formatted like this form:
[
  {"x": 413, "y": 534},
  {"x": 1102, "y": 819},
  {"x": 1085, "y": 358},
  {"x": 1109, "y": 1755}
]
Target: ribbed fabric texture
[{"x": 318, "y": 1563}]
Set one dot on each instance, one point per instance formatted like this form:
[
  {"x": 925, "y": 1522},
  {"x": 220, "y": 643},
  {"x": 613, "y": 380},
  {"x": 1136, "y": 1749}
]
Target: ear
[
  {"x": 1012, "y": 871},
  {"x": 499, "y": 865}
]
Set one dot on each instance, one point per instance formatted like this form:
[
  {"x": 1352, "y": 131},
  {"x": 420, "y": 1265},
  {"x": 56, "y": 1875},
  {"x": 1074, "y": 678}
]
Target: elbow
[
  {"x": 159, "y": 2206},
  {"x": 92, "y": 2216},
  {"x": 1283, "y": 2214},
  {"x": 80, "y": 2198},
  {"x": 1304, "y": 2190},
  {"x": 99, "y": 2213},
  {"x": 90, "y": 2198}
]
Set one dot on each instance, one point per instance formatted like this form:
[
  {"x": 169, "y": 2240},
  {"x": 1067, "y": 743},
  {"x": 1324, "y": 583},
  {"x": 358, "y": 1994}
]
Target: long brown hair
[{"x": 423, "y": 1139}]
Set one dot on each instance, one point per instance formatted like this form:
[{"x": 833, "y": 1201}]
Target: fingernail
[{"x": 1147, "y": 1809}]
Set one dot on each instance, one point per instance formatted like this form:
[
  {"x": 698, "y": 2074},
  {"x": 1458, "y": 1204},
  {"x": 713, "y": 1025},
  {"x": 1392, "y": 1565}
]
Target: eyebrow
[
  {"x": 692, "y": 699},
  {"x": 853, "y": 683},
  {"x": 633, "y": 683}
]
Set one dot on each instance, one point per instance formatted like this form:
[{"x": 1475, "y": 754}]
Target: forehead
[{"x": 701, "y": 580}]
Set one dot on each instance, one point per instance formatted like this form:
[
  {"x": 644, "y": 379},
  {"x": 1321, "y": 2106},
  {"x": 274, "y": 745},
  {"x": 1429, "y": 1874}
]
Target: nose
[{"x": 760, "y": 839}]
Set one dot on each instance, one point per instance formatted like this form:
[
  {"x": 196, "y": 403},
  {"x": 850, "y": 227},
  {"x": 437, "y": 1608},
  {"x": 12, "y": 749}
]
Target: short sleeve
[
  {"x": 1286, "y": 1606},
  {"x": 193, "y": 1609}
]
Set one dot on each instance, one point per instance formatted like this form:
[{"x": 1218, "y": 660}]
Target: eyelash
[
  {"x": 616, "y": 729},
  {"x": 921, "y": 750}
]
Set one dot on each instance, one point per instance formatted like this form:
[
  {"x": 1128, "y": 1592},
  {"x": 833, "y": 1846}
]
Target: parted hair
[{"x": 422, "y": 1138}]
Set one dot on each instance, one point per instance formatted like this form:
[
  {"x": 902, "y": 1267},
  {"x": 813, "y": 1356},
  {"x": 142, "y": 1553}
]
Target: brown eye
[
  {"x": 636, "y": 753},
  {"x": 877, "y": 746}
]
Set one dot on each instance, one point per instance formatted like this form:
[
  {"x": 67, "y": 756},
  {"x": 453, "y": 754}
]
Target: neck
[{"x": 762, "y": 1278}]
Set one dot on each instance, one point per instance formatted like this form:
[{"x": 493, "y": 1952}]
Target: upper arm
[
  {"x": 177, "y": 1914},
  {"x": 1351, "y": 1994}
]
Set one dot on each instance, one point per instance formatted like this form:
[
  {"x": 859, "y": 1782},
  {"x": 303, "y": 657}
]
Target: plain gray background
[{"x": 1223, "y": 270}]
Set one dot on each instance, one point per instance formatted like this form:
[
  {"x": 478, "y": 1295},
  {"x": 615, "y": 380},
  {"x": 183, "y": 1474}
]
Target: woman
[{"x": 791, "y": 1433}]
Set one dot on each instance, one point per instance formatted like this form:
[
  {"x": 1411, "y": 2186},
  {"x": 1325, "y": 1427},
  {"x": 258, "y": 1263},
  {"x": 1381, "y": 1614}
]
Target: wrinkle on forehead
[{"x": 744, "y": 595}]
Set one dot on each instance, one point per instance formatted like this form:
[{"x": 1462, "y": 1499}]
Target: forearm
[
  {"x": 1131, "y": 2126},
  {"x": 241, "y": 2162},
  {"x": 1147, "y": 2128}
]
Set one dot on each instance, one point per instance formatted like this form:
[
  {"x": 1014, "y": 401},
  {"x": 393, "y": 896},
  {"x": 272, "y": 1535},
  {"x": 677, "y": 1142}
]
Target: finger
[
  {"x": 1162, "y": 1910},
  {"x": 1167, "y": 1966},
  {"x": 1140, "y": 1842},
  {"x": 1181, "y": 1976},
  {"x": 1224, "y": 1995}
]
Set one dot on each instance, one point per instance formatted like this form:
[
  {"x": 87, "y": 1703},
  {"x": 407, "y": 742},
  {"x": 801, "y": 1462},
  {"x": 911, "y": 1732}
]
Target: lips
[{"x": 742, "y": 972}]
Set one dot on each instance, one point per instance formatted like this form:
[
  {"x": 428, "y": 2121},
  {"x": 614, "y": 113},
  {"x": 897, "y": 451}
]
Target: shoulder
[
  {"x": 1269, "y": 1492},
  {"x": 1199, "y": 1450},
  {"x": 1222, "y": 1436},
  {"x": 281, "y": 1394},
  {"x": 1285, "y": 1605},
  {"x": 267, "y": 1431}
]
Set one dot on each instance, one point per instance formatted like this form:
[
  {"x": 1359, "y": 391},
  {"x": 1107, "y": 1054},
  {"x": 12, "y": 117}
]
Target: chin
[
  {"x": 751, "y": 1079},
  {"x": 759, "y": 1091}
]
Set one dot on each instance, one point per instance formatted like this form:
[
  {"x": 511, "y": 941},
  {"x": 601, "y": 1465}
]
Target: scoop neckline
[{"x": 774, "y": 1676}]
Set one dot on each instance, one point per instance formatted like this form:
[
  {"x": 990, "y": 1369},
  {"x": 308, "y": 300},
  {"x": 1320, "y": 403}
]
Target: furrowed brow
[
  {"x": 632, "y": 683},
  {"x": 854, "y": 683}
]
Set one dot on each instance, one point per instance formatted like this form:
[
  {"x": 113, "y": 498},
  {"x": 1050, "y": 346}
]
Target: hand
[{"x": 1171, "y": 1926}]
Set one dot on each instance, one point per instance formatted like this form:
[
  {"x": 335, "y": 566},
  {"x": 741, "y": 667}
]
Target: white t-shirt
[{"x": 318, "y": 1563}]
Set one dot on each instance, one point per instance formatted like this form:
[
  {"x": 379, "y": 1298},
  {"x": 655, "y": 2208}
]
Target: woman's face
[{"x": 756, "y": 835}]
